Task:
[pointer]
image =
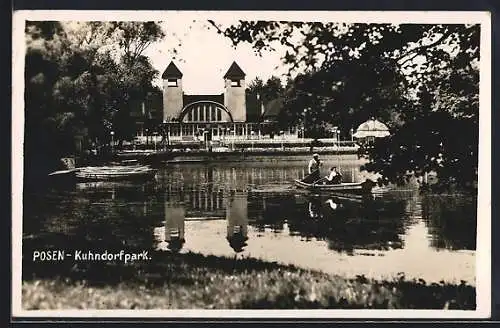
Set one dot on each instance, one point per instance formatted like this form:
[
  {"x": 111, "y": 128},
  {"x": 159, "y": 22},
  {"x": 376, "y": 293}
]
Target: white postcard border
[{"x": 483, "y": 252}]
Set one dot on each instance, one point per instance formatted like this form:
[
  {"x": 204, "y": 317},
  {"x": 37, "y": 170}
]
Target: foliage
[
  {"x": 259, "y": 93},
  {"x": 428, "y": 141},
  {"x": 213, "y": 282},
  {"x": 84, "y": 78},
  {"x": 268, "y": 91},
  {"x": 421, "y": 80},
  {"x": 324, "y": 98}
]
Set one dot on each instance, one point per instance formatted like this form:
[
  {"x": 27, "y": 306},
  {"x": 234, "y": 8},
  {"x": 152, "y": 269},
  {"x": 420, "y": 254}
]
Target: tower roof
[
  {"x": 234, "y": 72},
  {"x": 171, "y": 71}
]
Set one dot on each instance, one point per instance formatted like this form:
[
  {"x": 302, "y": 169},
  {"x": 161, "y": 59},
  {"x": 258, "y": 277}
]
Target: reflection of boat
[
  {"x": 271, "y": 188},
  {"x": 106, "y": 185},
  {"x": 356, "y": 187},
  {"x": 98, "y": 173},
  {"x": 332, "y": 204}
]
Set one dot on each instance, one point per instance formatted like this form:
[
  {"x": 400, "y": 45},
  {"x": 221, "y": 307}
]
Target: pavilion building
[{"x": 217, "y": 117}]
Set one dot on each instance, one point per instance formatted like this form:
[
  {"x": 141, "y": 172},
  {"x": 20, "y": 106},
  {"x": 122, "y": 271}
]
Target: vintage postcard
[{"x": 251, "y": 164}]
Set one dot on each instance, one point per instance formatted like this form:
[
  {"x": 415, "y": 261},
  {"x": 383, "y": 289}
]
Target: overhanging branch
[{"x": 421, "y": 49}]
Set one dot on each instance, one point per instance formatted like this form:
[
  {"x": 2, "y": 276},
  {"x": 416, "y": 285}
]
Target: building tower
[
  {"x": 234, "y": 92},
  {"x": 172, "y": 92}
]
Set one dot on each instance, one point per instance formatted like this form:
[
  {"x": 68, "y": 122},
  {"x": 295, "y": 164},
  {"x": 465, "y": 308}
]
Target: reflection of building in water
[
  {"x": 203, "y": 198},
  {"x": 174, "y": 225},
  {"x": 237, "y": 221},
  {"x": 237, "y": 176},
  {"x": 198, "y": 199}
]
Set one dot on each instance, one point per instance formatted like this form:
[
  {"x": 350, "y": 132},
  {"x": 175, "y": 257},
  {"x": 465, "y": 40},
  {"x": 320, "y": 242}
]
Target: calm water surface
[{"x": 251, "y": 209}]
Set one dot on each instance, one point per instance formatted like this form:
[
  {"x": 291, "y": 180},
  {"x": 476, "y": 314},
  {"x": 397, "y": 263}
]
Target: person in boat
[
  {"x": 313, "y": 169},
  {"x": 334, "y": 177}
]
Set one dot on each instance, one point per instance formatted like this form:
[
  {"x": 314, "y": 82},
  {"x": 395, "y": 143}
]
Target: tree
[
  {"x": 268, "y": 91},
  {"x": 119, "y": 47},
  {"x": 84, "y": 78},
  {"x": 411, "y": 75},
  {"x": 48, "y": 132},
  {"x": 259, "y": 93},
  {"x": 440, "y": 134}
]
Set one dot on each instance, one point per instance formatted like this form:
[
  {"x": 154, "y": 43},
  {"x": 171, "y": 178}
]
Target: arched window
[
  {"x": 212, "y": 113},
  {"x": 205, "y": 111},
  {"x": 202, "y": 113}
]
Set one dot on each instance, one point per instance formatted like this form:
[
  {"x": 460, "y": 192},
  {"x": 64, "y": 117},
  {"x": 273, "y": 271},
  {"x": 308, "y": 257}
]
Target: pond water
[{"x": 251, "y": 209}]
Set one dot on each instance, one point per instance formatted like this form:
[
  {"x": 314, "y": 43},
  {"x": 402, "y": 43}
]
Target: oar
[
  {"x": 316, "y": 182},
  {"x": 307, "y": 176}
]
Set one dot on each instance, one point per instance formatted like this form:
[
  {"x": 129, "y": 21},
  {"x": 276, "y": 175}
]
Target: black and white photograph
[{"x": 233, "y": 163}]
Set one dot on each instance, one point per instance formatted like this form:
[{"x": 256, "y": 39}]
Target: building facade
[{"x": 216, "y": 118}]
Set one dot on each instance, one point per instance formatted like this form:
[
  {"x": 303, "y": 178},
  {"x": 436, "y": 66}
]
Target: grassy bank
[{"x": 172, "y": 281}]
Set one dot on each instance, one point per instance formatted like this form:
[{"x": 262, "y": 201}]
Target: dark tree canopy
[
  {"x": 84, "y": 79},
  {"x": 421, "y": 80}
]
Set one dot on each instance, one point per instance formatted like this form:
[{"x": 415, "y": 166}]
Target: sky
[{"x": 204, "y": 56}]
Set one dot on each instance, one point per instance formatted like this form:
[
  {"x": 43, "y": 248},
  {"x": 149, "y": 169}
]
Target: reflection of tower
[
  {"x": 237, "y": 220},
  {"x": 174, "y": 225}
]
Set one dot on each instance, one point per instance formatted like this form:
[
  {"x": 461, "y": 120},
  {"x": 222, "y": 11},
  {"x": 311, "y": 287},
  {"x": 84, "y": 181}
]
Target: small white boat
[
  {"x": 65, "y": 173},
  {"x": 107, "y": 173},
  {"x": 63, "y": 176}
]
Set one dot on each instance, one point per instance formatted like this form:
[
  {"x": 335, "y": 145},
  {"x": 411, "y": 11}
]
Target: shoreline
[
  {"x": 235, "y": 155},
  {"x": 219, "y": 282}
]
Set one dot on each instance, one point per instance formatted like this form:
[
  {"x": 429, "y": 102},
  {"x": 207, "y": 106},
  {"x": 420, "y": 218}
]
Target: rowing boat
[
  {"x": 348, "y": 187},
  {"x": 107, "y": 173}
]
